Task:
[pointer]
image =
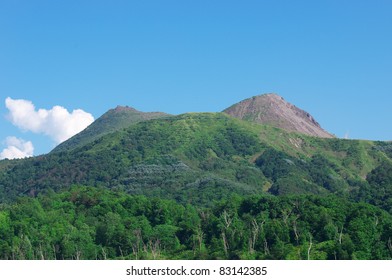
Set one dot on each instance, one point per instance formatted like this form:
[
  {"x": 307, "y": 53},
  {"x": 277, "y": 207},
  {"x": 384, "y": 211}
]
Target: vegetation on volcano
[{"x": 200, "y": 186}]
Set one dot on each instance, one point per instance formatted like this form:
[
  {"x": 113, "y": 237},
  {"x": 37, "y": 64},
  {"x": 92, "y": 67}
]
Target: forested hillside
[
  {"x": 200, "y": 186},
  {"x": 199, "y": 158}
]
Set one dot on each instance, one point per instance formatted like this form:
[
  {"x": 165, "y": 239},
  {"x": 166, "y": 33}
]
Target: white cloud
[
  {"x": 17, "y": 148},
  {"x": 57, "y": 123}
]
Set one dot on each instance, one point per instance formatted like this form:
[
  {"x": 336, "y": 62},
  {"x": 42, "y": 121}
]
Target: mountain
[
  {"x": 200, "y": 158},
  {"x": 273, "y": 110},
  {"x": 115, "y": 119},
  {"x": 198, "y": 186},
  {"x": 192, "y": 157},
  {"x": 268, "y": 109}
]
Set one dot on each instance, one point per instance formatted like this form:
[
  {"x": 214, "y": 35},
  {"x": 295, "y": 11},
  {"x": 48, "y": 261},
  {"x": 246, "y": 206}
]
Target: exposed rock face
[{"x": 273, "y": 110}]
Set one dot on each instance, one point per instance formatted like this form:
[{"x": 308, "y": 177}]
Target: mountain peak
[
  {"x": 273, "y": 110},
  {"x": 113, "y": 120},
  {"x": 124, "y": 108}
]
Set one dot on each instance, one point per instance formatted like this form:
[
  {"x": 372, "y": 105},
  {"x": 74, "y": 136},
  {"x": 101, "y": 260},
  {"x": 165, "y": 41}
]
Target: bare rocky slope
[{"x": 273, "y": 110}]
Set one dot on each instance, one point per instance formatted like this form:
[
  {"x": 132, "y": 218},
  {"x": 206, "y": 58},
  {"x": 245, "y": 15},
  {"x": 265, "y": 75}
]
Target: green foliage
[
  {"x": 385, "y": 147},
  {"x": 378, "y": 190},
  {"x": 93, "y": 223},
  {"x": 291, "y": 175}
]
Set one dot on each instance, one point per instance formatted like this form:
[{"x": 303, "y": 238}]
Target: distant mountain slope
[
  {"x": 113, "y": 120},
  {"x": 198, "y": 158},
  {"x": 193, "y": 158},
  {"x": 273, "y": 110}
]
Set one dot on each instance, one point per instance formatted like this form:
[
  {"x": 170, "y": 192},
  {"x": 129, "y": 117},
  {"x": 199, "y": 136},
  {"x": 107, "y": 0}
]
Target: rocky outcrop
[{"x": 273, "y": 110}]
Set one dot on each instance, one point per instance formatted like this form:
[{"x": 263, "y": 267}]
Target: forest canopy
[{"x": 94, "y": 223}]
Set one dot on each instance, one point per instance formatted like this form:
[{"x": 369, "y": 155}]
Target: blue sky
[{"x": 331, "y": 58}]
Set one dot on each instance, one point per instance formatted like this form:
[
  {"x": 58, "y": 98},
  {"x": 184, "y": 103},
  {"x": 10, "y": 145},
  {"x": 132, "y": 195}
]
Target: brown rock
[{"x": 273, "y": 110}]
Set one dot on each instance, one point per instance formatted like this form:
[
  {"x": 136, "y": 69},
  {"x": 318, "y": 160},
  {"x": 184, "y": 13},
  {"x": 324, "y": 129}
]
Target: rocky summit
[{"x": 272, "y": 109}]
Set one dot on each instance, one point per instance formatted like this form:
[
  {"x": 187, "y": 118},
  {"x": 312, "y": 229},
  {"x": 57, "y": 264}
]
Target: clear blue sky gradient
[{"x": 331, "y": 58}]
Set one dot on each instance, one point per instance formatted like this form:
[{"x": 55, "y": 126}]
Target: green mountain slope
[
  {"x": 113, "y": 120},
  {"x": 201, "y": 158}
]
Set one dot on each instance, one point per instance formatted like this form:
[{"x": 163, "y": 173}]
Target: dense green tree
[{"x": 94, "y": 223}]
